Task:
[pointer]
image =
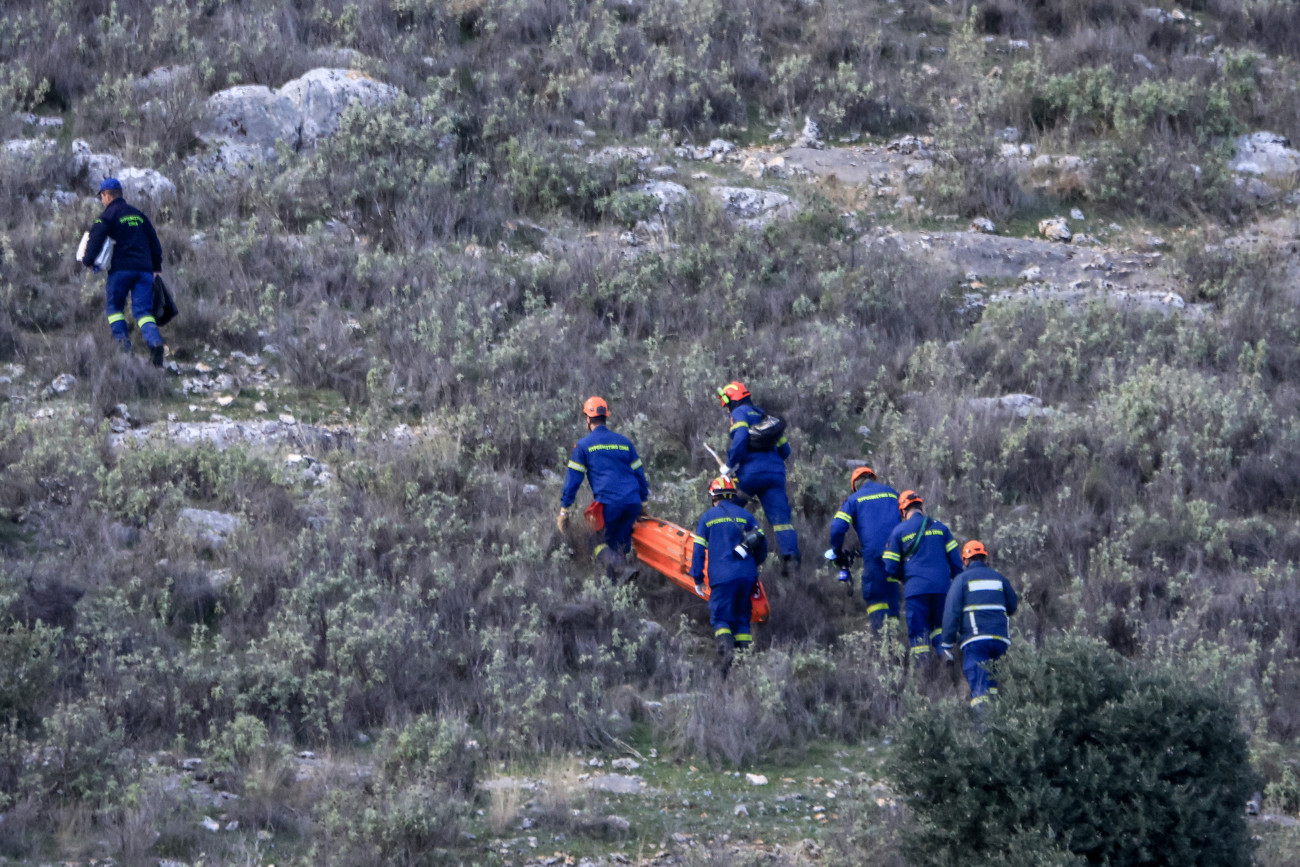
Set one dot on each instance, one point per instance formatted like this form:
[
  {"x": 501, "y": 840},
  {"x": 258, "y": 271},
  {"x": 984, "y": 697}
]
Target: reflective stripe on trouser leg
[
  {"x": 776, "y": 508},
  {"x": 142, "y": 307},
  {"x": 975, "y": 658}
]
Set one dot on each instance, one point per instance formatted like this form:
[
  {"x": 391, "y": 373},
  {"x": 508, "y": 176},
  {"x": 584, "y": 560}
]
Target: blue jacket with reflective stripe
[
  {"x": 977, "y": 607},
  {"x": 931, "y": 568},
  {"x": 718, "y": 533},
  {"x": 137, "y": 246},
  {"x": 872, "y": 511},
  {"x": 745, "y": 462},
  {"x": 610, "y": 463}
]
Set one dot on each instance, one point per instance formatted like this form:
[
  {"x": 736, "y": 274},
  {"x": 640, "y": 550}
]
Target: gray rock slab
[{"x": 616, "y": 784}]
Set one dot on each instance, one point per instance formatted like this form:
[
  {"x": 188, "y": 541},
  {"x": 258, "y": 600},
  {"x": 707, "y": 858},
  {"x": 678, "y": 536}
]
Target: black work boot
[
  {"x": 612, "y": 561},
  {"x": 726, "y": 652},
  {"x": 156, "y": 355}
]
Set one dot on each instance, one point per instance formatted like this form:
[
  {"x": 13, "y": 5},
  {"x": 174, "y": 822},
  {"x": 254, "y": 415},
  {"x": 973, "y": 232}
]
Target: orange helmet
[
  {"x": 858, "y": 475},
  {"x": 595, "y": 407},
  {"x": 973, "y": 548},
  {"x": 909, "y": 498},
  {"x": 732, "y": 392},
  {"x": 722, "y": 487}
]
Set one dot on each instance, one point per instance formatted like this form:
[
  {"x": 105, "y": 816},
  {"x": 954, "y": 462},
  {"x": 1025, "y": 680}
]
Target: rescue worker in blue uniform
[
  {"x": 923, "y": 552},
  {"x": 872, "y": 511},
  {"x": 137, "y": 259},
  {"x": 736, "y": 547},
  {"x": 760, "y": 474},
  {"x": 609, "y": 462},
  {"x": 975, "y": 615}
]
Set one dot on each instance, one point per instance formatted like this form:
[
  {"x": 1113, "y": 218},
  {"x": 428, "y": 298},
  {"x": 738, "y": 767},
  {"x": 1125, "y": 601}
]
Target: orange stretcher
[{"x": 667, "y": 548}]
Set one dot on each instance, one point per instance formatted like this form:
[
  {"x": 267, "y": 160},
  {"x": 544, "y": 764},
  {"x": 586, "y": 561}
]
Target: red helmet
[
  {"x": 973, "y": 548},
  {"x": 909, "y": 498},
  {"x": 595, "y": 407},
  {"x": 722, "y": 487},
  {"x": 858, "y": 475},
  {"x": 732, "y": 392}
]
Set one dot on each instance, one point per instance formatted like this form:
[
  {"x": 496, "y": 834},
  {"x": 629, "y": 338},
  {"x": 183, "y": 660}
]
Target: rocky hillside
[{"x": 298, "y": 598}]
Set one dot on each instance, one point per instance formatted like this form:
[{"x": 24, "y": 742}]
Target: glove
[
  {"x": 562, "y": 520},
  {"x": 726, "y": 470},
  {"x": 699, "y": 589}
]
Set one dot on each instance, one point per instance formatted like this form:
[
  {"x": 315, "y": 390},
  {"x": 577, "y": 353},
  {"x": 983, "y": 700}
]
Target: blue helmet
[{"x": 110, "y": 184}]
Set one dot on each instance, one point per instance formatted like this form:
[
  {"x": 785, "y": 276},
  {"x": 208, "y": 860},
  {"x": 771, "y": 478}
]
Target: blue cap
[{"x": 110, "y": 184}]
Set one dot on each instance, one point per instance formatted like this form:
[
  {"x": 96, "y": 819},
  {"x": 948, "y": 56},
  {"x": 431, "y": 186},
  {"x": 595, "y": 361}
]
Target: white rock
[
  {"x": 669, "y": 194},
  {"x": 242, "y": 124},
  {"x": 625, "y": 764},
  {"x": 1020, "y": 405},
  {"x": 1265, "y": 155},
  {"x": 206, "y": 521},
  {"x": 211, "y": 824},
  {"x": 287, "y": 418},
  {"x": 741, "y": 810},
  {"x": 753, "y": 207},
  {"x": 756, "y": 779},
  {"x": 145, "y": 184},
  {"x": 614, "y": 823},
  {"x": 1054, "y": 229},
  {"x": 1031, "y": 274},
  {"x": 61, "y": 384},
  {"x": 983, "y": 225},
  {"x": 811, "y": 137},
  {"x": 1076, "y": 214}
]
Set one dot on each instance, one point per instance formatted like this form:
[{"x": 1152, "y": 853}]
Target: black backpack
[{"x": 765, "y": 434}]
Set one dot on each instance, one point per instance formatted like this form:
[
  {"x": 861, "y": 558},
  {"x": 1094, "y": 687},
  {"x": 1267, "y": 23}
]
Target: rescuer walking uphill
[
  {"x": 924, "y": 553},
  {"x": 759, "y": 472},
  {"x": 736, "y": 548},
  {"x": 609, "y": 462},
  {"x": 872, "y": 511},
  {"x": 975, "y": 615},
  {"x": 136, "y": 259}
]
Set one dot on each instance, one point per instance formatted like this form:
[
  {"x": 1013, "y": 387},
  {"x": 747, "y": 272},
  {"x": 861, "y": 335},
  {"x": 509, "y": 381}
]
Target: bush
[{"x": 1113, "y": 762}]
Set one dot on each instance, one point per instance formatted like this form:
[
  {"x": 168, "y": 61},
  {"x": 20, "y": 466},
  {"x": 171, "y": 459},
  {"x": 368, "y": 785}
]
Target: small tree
[{"x": 1085, "y": 759}]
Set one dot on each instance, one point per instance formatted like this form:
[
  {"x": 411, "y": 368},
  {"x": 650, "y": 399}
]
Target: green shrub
[{"x": 1114, "y": 762}]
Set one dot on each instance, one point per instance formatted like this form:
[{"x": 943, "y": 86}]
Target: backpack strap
[{"x": 920, "y": 536}]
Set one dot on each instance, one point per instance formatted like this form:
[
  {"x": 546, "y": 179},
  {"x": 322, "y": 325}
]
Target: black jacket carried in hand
[{"x": 138, "y": 248}]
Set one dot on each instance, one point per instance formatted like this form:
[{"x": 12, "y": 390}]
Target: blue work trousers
[
  {"x": 139, "y": 286},
  {"x": 924, "y": 623},
  {"x": 730, "y": 608},
  {"x": 770, "y": 491},
  {"x": 880, "y": 594},
  {"x": 974, "y": 658},
  {"x": 618, "y": 525}
]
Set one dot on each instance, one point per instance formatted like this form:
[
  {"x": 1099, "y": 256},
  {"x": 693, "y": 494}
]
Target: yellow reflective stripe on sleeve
[
  {"x": 636, "y": 464},
  {"x": 780, "y": 528},
  {"x": 116, "y": 317},
  {"x": 951, "y": 545},
  {"x": 574, "y": 465},
  {"x": 601, "y": 547},
  {"x": 843, "y": 516},
  {"x": 146, "y": 320},
  {"x": 976, "y": 702},
  {"x": 782, "y": 441},
  {"x": 935, "y": 632},
  {"x": 699, "y": 540},
  {"x": 744, "y": 639},
  {"x": 738, "y": 424},
  {"x": 893, "y": 581},
  {"x": 879, "y": 606},
  {"x": 890, "y": 555},
  {"x": 920, "y": 648},
  {"x": 721, "y": 630}
]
